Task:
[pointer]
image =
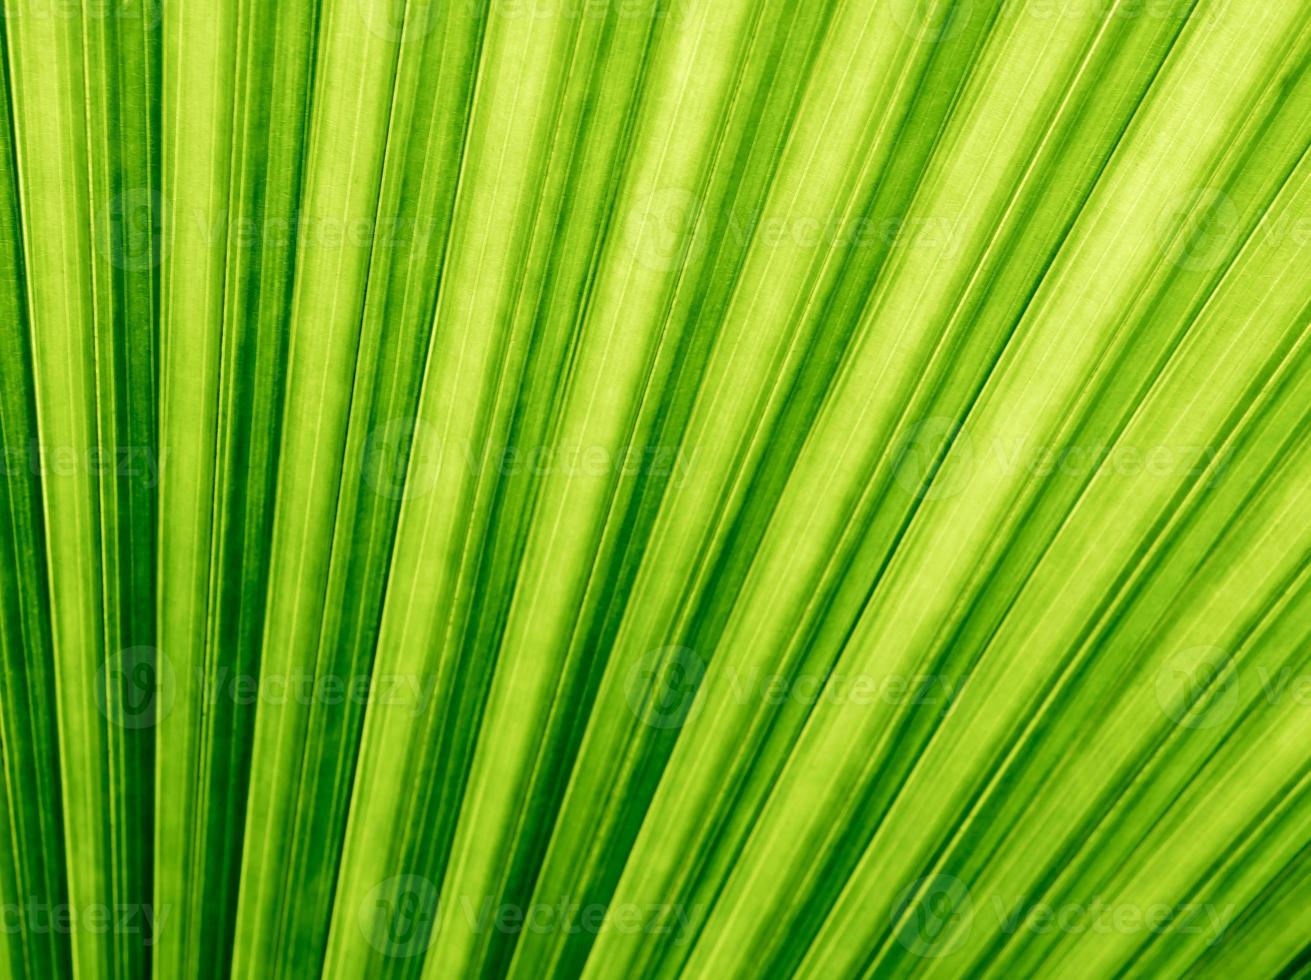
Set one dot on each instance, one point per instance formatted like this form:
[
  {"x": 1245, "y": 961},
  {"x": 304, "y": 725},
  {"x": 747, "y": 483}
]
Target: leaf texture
[{"x": 655, "y": 488}]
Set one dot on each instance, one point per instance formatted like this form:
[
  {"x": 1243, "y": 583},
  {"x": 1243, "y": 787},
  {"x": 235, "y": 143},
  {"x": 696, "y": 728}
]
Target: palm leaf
[{"x": 589, "y": 488}]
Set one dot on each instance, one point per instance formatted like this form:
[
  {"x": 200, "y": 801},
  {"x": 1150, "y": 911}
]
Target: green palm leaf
[{"x": 658, "y": 488}]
